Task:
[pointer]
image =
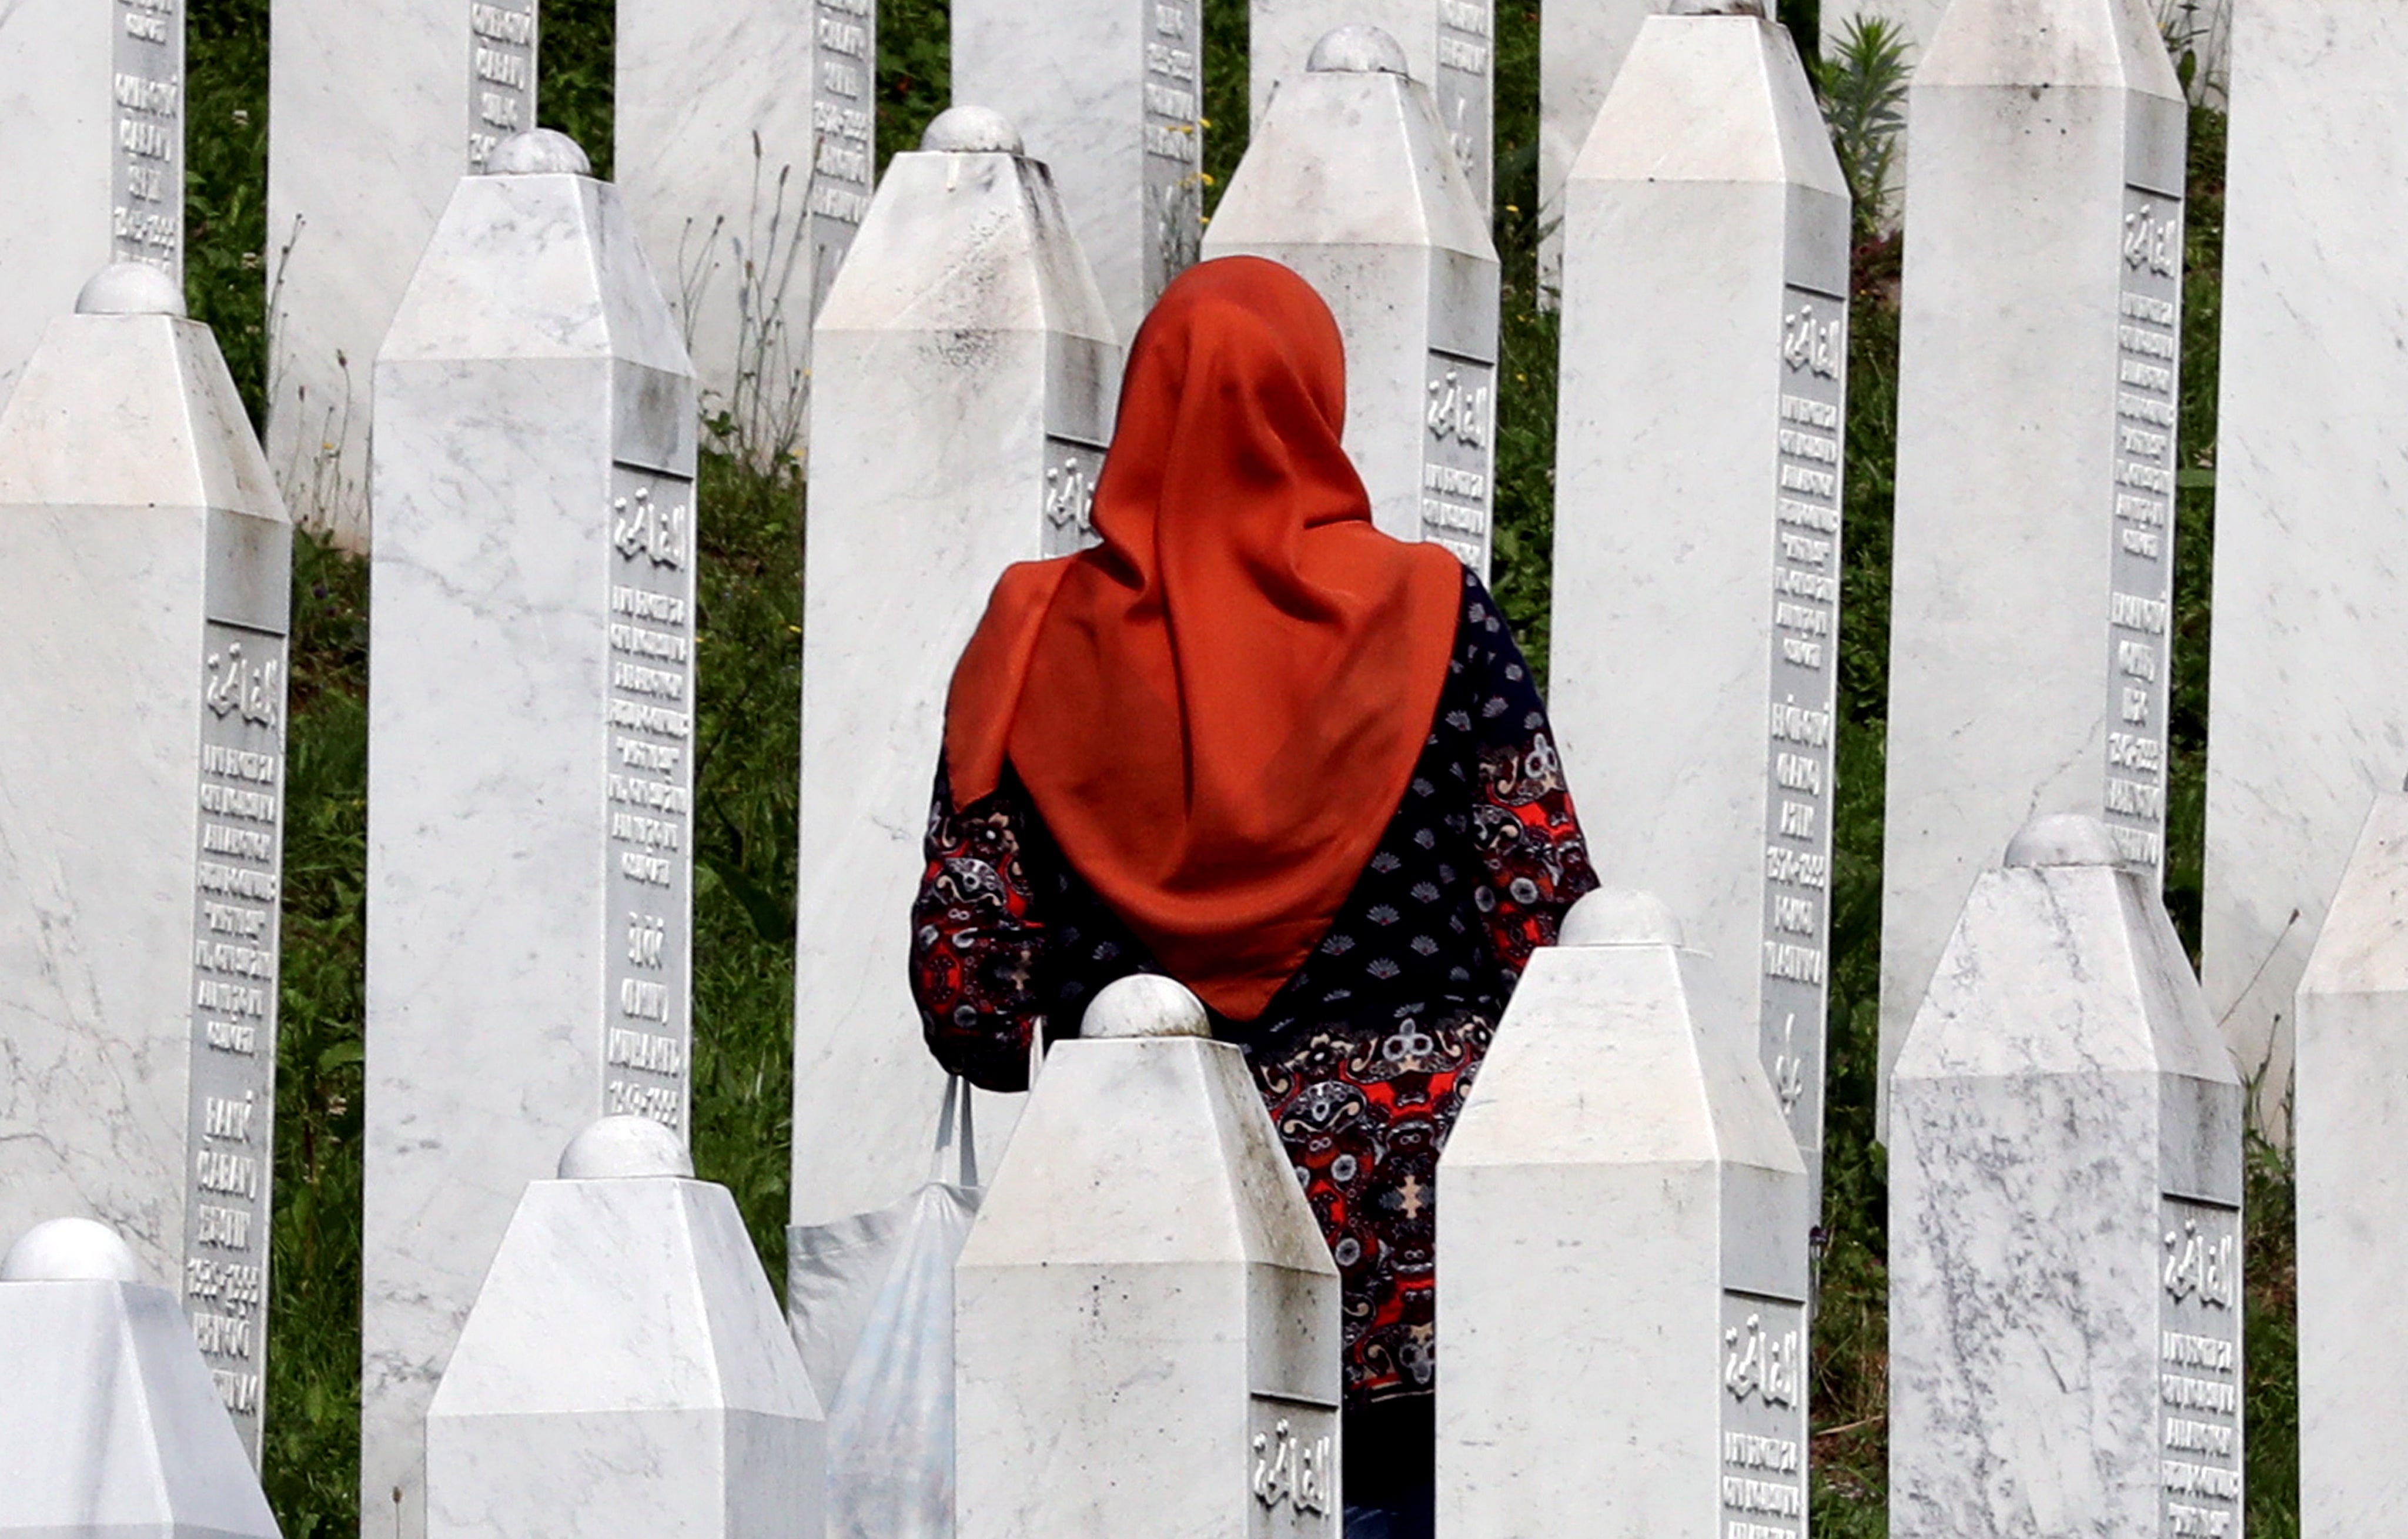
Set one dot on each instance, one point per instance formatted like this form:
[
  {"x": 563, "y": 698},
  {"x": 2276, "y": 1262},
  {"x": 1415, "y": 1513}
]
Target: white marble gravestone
[
  {"x": 143, "y": 806},
  {"x": 2205, "y": 27},
  {"x": 2032, "y": 580},
  {"x": 373, "y": 114},
  {"x": 111, "y": 1426},
  {"x": 625, "y": 1370},
  {"x": 2353, "y": 1110},
  {"x": 530, "y": 753},
  {"x": 1450, "y": 46},
  {"x": 2064, "y": 1296},
  {"x": 1349, "y": 182},
  {"x": 1697, "y": 466},
  {"x": 1145, "y": 1317},
  {"x": 91, "y": 164},
  {"x": 966, "y": 376},
  {"x": 746, "y": 191},
  {"x": 1110, "y": 93},
  {"x": 1581, "y": 49},
  {"x": 2309, "y": 558},
  {"x": 1626, "y": 1222}
]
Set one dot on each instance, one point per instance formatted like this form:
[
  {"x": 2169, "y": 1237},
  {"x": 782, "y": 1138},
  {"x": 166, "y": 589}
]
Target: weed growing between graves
[{"x": 750, "y": 606}]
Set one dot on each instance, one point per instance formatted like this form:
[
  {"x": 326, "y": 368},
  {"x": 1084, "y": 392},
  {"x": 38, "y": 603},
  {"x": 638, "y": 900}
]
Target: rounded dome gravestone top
[
  {"x": 1145, "y": 1004},
  {"x": 2063, "y": 838},
  {"x": 620, "y": 1148},
  {"x": 973, "y": 130},
  {"x": 538, "y": 151},
  {"x": 69, "y": 1250},
  {"x": 130, "y": 288},
  {"x": 1357, "y": 50},
  {"x": 1617, "y": 916}
]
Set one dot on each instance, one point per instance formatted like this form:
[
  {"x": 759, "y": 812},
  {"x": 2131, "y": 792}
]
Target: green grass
[{"x": 751, "y": 615}]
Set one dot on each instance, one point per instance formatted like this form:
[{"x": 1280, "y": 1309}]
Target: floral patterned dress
[{"x": 1365, "y": 1056}]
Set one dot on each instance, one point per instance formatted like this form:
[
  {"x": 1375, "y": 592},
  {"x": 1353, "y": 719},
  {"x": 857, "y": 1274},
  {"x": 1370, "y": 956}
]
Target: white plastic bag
[{"x": 871, "y": 1298}]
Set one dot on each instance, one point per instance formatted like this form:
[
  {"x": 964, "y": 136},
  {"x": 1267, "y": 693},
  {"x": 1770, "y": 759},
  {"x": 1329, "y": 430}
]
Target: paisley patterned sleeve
[
  {"x": 977, "y": 938},
  {"x": 1522, "y": 817}
]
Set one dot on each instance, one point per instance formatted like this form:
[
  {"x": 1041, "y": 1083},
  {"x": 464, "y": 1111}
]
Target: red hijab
[{"x": 1217, "y": 709}]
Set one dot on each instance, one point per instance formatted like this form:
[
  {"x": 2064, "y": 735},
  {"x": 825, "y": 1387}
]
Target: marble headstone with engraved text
[
  {"x": 1581, "y": 49},
  {"x": 2353, "y": 1110},
  {"x": 2311, "y": 555},
  {"x": 625, "y": 1370},
  {"x": 1624, "y": 1221},
  {"x": 140, "y": 864},
  {"x": 2033, "y": 575},
  {"x": 530, "y": 747},
  {"x": 2203, "y": 27},
  {"x": 93, "y": 161},
  {"x": 1348, "y": 180},
  {"x": 1110, "y": 93},
  {"x": 1450, "y": 47},
  {"x": 2065, "y": 1289},
  {"x": 966, "y": 375},
  {"x": 1145, "y": 1316},
  {"x": 373, "y": 114},
  {"x": 745, "y": 190},
  {"x": 1698, "y": 468},
  {"x": 111, "y": 1426}
]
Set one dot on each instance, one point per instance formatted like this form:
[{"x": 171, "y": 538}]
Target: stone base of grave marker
[
  {"x": 1349, "y": 181},
  {"x": 2353, "y": 1111},
  {"x": 1626, "y": 1221},
  {"x": 625, "y": 1370},
  {"x": 2065, "y": 1191},
  {"x": 530, "y": 747},
  {"x": 140, "y": 869},
  {"x": 112, "y": 1424},
  {"x": 1146, "y": 1331}
]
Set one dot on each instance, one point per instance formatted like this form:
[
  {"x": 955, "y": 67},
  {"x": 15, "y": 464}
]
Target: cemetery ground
[{"x": 750, "y": 538}]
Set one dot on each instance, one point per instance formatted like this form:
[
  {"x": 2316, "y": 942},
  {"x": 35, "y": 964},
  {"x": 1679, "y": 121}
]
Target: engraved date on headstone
[
  {"x": 1795, "y": 941},
  {"x": 229, "y": 1141},
  {"x": 1459, "y": 457},
  {"x": 2198, "y": 1371},
  {"x": 649, "y": 797},
  {"x": 501, "y": 75},
  {"x": 147, "y": 129},
  {"x": 1763, "y": 1357},
  {"x": 844, "y": 63},
  {"x": 2141, "y": 587},
  {"x": 1292, "y": 1469}
]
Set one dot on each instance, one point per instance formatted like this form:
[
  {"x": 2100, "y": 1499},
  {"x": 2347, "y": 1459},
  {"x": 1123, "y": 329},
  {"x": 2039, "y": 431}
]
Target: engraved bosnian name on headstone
[
  {"x": 1805, "y": 626},
  {"x": 1294, "y": 1474},
  {"x": 1174, "y": 141},
  {"x": 844, "y": 61},
  {"x": 2141, "y": 590},
  {"x": 146, "y": 178},
  {"x": 1764, "y": 1418},
  {"x": 501, "y": 75},
  {"x": 2199, "y": 1381},
  {"x": 1466, "y": 51},
  {"x": 230, "y": 1139},
  {"x": 650, "y": 797},
  {"x": 1458, "y": 456}
]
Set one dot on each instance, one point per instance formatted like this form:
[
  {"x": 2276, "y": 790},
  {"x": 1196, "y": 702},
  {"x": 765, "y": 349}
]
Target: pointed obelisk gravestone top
[
  {"x": 2032, "y": 594},
  {"x": 965, "y": 379},
  {"x": 1450, "y": 48},
  {"x": 1349, "y": 181},
  {"x": 93, "y": 158},
  {"x": 1146, "y": 1330},
  {"x": 1110, "y": 94},
  {"x": 625, "y": 1370},
  {"x": 1705, "y": 317},
  {"x": 531, "y": 746},
  {"x": 2064, "y": 1216},
  {"x": 2353, "y": 1106},
  {"x": 2309, "y": 718},
  {"x": 141, "y": 932},
  {"x": 1625, "y": 1219},
  {"x": 112, "y": 1425}
]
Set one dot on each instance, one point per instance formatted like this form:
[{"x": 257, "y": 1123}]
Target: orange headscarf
[{"x": 1217, "y": 709}]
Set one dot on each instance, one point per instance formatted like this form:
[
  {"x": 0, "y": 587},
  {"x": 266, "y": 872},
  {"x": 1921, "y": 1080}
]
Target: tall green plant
[{"x": 1863, "y": 82}]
